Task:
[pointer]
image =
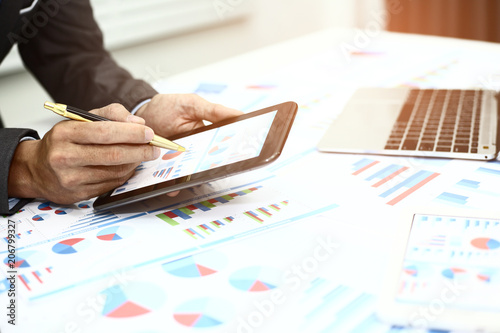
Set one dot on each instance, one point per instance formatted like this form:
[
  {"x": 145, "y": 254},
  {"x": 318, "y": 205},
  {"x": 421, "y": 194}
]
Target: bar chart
[
  {"x": 441, "y": 249},
  {"x": 394, "y": 182},
  {"x": 260, "y": 214},
  {"x": 481, "y": 189},
  {"x": 177, "y": 216}
]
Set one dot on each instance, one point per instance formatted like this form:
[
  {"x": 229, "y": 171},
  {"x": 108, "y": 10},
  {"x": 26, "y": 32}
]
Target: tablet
[
  {"x": 445, "y": 273},
  {"x": 213, "y": 152}
]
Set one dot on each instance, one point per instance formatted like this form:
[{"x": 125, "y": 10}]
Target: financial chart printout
[
  {"x": 446, "y": 252},
  {"x": 217, "y": 147}
]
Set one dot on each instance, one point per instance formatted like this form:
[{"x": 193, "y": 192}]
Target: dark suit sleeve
[
  {"x": 68, "y": 58},
  {"x": 10, "y": 137}
]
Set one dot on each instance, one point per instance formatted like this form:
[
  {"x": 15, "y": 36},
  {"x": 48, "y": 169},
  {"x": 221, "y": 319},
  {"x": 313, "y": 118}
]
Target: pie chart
[
  {"x": 63, "y": 211},
  {"x": 27, "y": 259},
  {"x": 171, "y": 154},
  {"x": 114, "y": 233},
  {"x": 485, "y": 243},
  {"x": 452, "y": 273},
  {"x": 204, "y": 312},
  {"x": 45, "y": 206},
  {"x": 256, "y": 278},
  {"x": 411, "y": 270},
  {"x": 84, "y": 205},
  {"x": 203, "y": 264},
  {"x": 40, "y": 217},
  {"x": 132, "y": 300},
  {"x": 71, "y": 245},
  {"x": 484, "y": 277}
]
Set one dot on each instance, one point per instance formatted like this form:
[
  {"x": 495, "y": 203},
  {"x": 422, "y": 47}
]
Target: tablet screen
[
  {"x": 217, "y": 147},
  {"x": 453, "y": 262}
]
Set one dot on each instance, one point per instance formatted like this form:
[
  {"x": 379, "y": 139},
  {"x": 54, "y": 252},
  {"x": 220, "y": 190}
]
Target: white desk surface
[{"x": 322, "y": 269}]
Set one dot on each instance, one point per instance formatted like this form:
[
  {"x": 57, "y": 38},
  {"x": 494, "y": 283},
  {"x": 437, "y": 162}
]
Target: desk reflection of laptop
[{"x": 416, "y": 122}]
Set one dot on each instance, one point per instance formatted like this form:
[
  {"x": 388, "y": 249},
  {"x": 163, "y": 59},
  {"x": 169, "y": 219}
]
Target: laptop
[{"x": 405, "y": 121}]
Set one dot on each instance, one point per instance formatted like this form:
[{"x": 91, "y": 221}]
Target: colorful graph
[
  {"x": 259, "y": 214},
  {"x": 363, "y": 165},
  {"x": 206, "y": 229},
  {"x": 114, "y": 233},
  {"x": 484, "y": 277},
  {"x": 27, "y": 279},
  {"x": 256, "y": 278},
  {"x": 485, "y": 243},
  {"x": 480, "y": 189},
  {"x": 27, "y": 259},
  {"x": 198, "y": 265},
  {"x": 204, "y": 312},
  {"x": 489, "y": 171},
  {"x": 176, "y": 216},
  {"x": 70, "y": 246},
  {"x": 132, "y": 300},
  {"x": 386, "y": 174},
  {"x": 453, "y": 272},
  {"x": 63, "y": 211},
  {"x": 19, "y": 235},
  {"x": 327, "y": 306},
  {"x": 216, "y": 150},
  {"x": 453, "y": 198},
  {"x": 40, "y": 217},
  {"x": 408, "y": 183},
  {"x": 411, "y": 270},
  {"x": 45, "y": 206},
  {"x": 187, "y": 158},
  {"x": 171, "y": 154},
  {"x": 84, "y": 205},
  {"x": 162, "y": 173},
  {"x": 94, "y": 219}
]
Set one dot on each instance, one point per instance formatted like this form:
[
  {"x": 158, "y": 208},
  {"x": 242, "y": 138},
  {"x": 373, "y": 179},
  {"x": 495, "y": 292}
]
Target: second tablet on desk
[
  {"x": 445, "y": 272},
  {"x": 213, "y": 152}
]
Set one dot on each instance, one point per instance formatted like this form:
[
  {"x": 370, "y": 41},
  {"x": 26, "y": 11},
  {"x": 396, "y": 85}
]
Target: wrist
[
  {"x": 139, "y": 108},
  {"x": 22, "y": 182}
]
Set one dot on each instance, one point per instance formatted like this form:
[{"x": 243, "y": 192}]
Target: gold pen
[{"x": 80, "y": 115}]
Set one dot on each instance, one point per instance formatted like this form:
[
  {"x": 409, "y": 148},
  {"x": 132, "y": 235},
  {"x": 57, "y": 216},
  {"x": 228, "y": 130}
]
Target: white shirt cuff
[
  {"x": 26, "y": 138},
  {"x": 138, "y": 106},
  {"x": 13, "y": 202}
]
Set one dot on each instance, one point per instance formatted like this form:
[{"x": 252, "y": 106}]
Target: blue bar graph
[
  {"x": 409, "y": 182},
  {"x": 362, "y": 163},
  {"x": 489, "y": 171},
  {"x": 469, "y": 183},
  {"x": 385, "y": 172},
  {"x": 453, "y": 198},
  {"x": 201, "y": 207},
  {"x": 181, "y": 214}
]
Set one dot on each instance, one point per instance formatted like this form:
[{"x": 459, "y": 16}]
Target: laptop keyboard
[{"x": 438, "y": 120}]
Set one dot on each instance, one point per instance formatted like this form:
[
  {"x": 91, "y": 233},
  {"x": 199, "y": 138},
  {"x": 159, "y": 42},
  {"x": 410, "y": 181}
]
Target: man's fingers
[
  {"x": 117, "y": 112},
  {"x": 213, "y": 112},
  {"x": 88, "y": 155},
  {"x": 102, "y": 132},
  {"x": 173, "y": 194},
  {"x": 115, "y": 174},
  {"x": 220, "y": 112}
]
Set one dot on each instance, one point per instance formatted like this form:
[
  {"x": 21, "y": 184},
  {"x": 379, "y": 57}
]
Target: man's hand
[
  {"x": 77, "y": 160},
  {"x": 177, "y": 113}
]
